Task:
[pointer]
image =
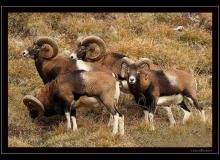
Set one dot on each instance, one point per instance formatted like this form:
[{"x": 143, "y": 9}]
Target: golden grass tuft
[{"x": 15, "y": 142}]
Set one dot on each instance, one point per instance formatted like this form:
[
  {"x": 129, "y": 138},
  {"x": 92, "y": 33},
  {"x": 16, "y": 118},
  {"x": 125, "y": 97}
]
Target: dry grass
[{"x": 136, "y": 34}]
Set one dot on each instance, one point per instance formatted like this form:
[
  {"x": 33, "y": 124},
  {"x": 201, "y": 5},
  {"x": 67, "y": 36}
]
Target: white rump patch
[
  {"x": 80, "y": 65},
  {"x": 172, "y": 79}
]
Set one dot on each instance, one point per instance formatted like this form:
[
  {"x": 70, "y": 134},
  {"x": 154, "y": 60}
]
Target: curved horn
[
  {"x": 144, "y": 61},
  {"x": 98, "y": 41},
  {"x": 79, "y": 41},
  {"x": 46, "y": 40},
  {"x": 127, "y": 60},
  {"x": 31, "y": 101}
]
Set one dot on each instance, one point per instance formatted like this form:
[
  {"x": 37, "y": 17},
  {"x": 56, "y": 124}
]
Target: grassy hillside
[{"x": 138, "y": 35}]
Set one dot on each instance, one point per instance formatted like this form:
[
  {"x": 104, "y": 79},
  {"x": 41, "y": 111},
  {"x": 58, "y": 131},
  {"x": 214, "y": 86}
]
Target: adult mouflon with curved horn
[
  {"x": 69, "y": 87},
  {"x": 154, "y": 84},
  {"x": 43, "y": 50},
  {"x": 86, "y": 50},
  {"x": 49, "y": 65}
]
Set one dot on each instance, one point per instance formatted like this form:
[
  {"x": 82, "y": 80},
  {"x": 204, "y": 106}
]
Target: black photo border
[{"x": 73, "y": 150}]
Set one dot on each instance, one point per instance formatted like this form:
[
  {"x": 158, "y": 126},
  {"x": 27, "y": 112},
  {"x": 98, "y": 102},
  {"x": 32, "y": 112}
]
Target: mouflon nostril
[
  {"x": 25, "y": 53},
  {"x": 132, "y": 79}
]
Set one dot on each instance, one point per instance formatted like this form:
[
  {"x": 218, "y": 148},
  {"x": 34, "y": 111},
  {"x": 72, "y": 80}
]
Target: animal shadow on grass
[{"x": 49, "y": 123}]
